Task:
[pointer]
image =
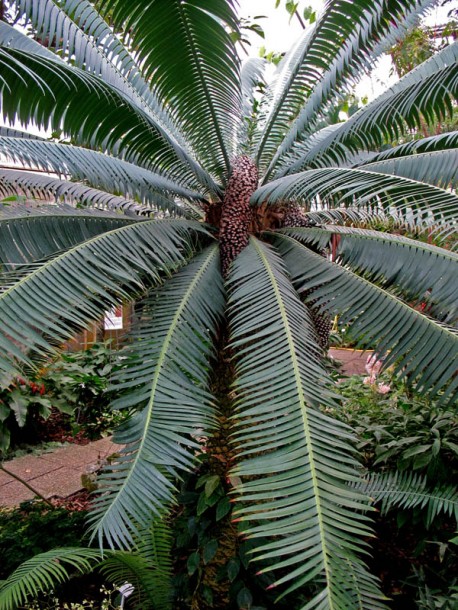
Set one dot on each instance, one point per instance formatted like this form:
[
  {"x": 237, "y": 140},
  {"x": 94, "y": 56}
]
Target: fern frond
[
  {"x": 418, "y": 346},
  {"x": 82, "y": 282},
  {"x": 44, "y": 571},
  {"x": 417, "y": 203},
  {"x": 410, "y": 490},
  {"x": 425, "y": 273},
  {"x": 46, "y": 188},
  {"x": 148, "y": 568}
]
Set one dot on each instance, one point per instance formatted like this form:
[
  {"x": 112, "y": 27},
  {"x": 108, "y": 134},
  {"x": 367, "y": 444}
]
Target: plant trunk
[{"x": 220, "y": 457}]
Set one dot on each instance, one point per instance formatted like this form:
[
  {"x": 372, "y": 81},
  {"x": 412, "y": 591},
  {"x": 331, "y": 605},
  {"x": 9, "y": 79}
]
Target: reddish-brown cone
[
  {"x": 236, "y": 213},
  {"x": 295, "y": 217}
]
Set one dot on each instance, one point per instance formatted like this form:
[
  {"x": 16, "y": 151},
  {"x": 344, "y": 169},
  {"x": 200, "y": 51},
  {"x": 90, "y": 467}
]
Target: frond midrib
[
  {"x": 67, "y": 253},
  {"x": 300, "y": 396},
  {"x": 149, "y": 407},
  {"x": 205, "y": 88}
]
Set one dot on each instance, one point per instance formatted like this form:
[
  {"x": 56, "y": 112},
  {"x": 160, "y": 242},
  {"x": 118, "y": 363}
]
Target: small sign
[{"x": 112, "y": 319}]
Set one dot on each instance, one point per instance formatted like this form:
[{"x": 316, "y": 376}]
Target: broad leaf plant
[{"x": 233, "y": 219}]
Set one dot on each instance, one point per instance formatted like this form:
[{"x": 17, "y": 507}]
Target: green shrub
[
  {"x": 80, "y": 380},
  {"x": 402, "y": 433},
  {"x": 76, "y": 384},
  {"x": 400, "y": 429},
  {"x": 33, "y": 528}
]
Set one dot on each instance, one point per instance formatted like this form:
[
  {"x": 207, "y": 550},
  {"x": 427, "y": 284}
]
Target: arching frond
[
  {"x": 295, "y": 477},
  {"x": 166, "y": 375},
  {"x": 76, "y": 31},
  {"x": 44, "y": 187},
  {"x": 424, "y": 272},
  {"x": 439, "y": 168},
  {"x": 428, "y": 91},
  {"x": 9, "y": 132},
  {"x": 173, "y": 45},
  {"x": 83, "y": 281},
  {"x": 156, "y": 546},
  {"x": 25, "y": 239},
  {"x": 442, "y": 141},
  {"x": 419, "y": 347},
  {"x": 91, "y": 110},
  {"x": 321, "y": 66},
  {"x": 148, "y": 569},
  {"x": 12, "y": 38},
  {"x": 368, "y": 216},
  {"x": 85, "y": 16},
  {"x": 410, "y": 490},
  {"x": 251, "y": 75},
  {"x": 97, "y": 169},
  {"x": 418, "y": 203},
  {"x": 43, "y": 571}
]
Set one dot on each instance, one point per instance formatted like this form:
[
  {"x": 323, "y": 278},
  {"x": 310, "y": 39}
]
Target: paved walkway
[
  {"x": 52, "y": 474},
  {"x": 59, "y": 473},
  {"x": 353, "y": 361}
]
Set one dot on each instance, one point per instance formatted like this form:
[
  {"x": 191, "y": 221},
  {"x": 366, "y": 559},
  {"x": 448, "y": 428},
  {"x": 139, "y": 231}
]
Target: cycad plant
[{"x": 212, "y": 209}]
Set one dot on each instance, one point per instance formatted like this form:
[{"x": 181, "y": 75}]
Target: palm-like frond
[
  {"x": 427, "y": 91},
  {"x": 410, "y": 490},
  {"x": 77, "y": 31},
  {"x": 46, "y": 188},
  {"x": 418, "y": 346},
  {"x": 83, "y": 281},
  {"x": 418, "y": 203},
  {"x": 367, "y": 216},
  {"x": 320, "y": 66},
  {"x": 439, "y": 168},
  {"x": 155, "y": 546},
  {"x": 91, "y": 110},
  {"x": 251, "y": 75},
  {"x": 441, "y": 141},
  {"x": 166, "y": 376},
  {"x": 148, "y": 569},
  {"x": 172, "y": 45},
  {"x": 292, "y": 476},
  {"x": 25, "y": 239},
  {"x": 9, "y": 132},
  {"x": 99, "y": 170},
  {"x": 42, "y": 572},
  {"x": 77, "y": 28},
  {"x": 417, "y": 268}
]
